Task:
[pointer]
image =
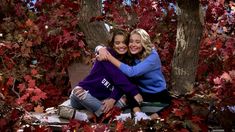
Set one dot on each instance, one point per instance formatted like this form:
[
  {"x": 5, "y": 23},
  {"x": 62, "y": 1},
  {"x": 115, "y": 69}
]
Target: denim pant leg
[
  {"x": 76, "y": 104},
  {"x": 90, "y": 103}
]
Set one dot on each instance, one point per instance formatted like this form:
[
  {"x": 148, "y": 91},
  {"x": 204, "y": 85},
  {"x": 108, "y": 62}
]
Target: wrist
[
  {"x": 97, "y": 48},
  {"x": 112, "y": 100}
]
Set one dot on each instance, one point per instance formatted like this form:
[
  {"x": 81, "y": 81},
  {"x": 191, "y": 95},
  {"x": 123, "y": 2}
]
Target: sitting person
[
  {"x": 105, "y": 84},
  {"x": 146, "y": 71}
]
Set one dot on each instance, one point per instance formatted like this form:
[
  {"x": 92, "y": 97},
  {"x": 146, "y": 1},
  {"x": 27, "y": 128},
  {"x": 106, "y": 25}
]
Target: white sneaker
[
  {"x": 123, "y": 117},
  {"x": 141, "y": 116},
  {"x": 81, "y": 116}
]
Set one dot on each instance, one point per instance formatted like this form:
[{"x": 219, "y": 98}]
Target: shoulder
[
  {"x": 112, "y": 52},
  {"x": 153, "y": 57},
  {"x": 153, "y": 53}
]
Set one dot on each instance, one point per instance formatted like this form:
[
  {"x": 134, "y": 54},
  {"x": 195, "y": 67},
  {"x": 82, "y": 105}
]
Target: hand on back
[
  {"x": 103, "y": 54},
  {"x": 138, "y": 98}
]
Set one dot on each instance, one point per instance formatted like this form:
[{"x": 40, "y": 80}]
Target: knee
[{"x": 80, "y": 93}]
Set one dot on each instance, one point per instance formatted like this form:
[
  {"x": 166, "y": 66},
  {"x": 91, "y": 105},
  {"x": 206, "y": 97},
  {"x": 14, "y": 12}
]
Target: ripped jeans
[{"x": 90, "y": 103}]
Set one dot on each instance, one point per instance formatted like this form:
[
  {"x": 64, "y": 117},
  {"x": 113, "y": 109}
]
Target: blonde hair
[{"x": 145, "y": 42}]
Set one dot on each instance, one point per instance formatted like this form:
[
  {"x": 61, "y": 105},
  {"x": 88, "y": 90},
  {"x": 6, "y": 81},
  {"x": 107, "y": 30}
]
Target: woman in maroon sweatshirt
[{"x": 105, "y": 84}]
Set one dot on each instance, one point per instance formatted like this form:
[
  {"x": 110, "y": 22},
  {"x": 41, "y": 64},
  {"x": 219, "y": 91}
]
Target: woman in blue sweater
[
  {"x": 146, "y": 71},
  {"x": 105, "y": 84}
]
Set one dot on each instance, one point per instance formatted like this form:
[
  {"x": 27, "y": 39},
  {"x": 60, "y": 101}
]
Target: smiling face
[
  {"x": 119, "y": 44},
  {"x": 135, "y": 44}
]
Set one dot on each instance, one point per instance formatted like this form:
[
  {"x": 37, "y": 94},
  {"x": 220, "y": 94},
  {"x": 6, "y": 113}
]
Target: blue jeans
[{"x": 90, "y": 103}]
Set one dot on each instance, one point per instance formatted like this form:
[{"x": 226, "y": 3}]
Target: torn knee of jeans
[
  {"x": 77, "y": 90},
  {"x": 81, "y": 94}
]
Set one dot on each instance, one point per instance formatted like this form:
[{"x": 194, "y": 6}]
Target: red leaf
[
  {"x": 39, "y": 128},
  {"x": 217, "y": 80},
  {"x": 27, "y": 78},
  {"x": 81, "y": 44},
  {"x": 35, "y": 99},
  {"x": 15, "y": 114},
  {"x": 187, "y": 109},
  {"x": 100, "y": 128},
  {"x": 21, "y": 87},
  {"x": 176, "y": 102},
  {"x": 232, "y": 73},
  {"x": 218, "y": 44},
  {"x": 34, "y": 72},
  {"x": 42, "y": 95},
  {"x": 120, "y": 126},
  {"x": 196, "y": 119},
  {"x": 22, "y": 99},
  {"x": 87, "y": 128},
  {"x": 10, "y": 81},
  {"x": 208, "y": 41},
  {"x": 31, "y": 83},
  {"x": 3, "y": 123},
  {"x": 226, "y": 77},
  {"x": 111, "y": 113},
  {"x": 166, "y": 113},
  {"x": 68, "y": 37},
  {"x": 28, "y": 107},
  {"x": 178, "y": 112},
  {"x": 76, "y": 54},
  {"x": 29, "y": 23},
  {"x": 73, "y": 124}
]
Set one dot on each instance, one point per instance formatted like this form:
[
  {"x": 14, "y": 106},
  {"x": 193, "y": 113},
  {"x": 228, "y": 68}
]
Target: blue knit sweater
[{"x": 147, "y": 72}]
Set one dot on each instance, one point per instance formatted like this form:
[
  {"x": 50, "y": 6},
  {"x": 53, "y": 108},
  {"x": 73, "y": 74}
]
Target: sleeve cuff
[
  {"x": 115, "y": 97},
  {"x": 97, "y": 48},
  {"x": 134, "y": 93}
]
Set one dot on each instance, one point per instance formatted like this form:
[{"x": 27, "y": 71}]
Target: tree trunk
[
  {"x": 185, "y": 60},
  {"x": 95, "y": 32},
  {"x": 77, "y": 72}
]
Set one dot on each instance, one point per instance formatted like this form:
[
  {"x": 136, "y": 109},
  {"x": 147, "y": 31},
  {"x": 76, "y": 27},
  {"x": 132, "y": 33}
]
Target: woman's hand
[
  {"x": 103, "y": 54},
  {"x": 108, "y": 104},
  {"x": 138, "y": 98}
]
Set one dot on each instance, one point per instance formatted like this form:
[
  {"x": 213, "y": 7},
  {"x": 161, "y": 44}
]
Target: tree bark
[
  {"x": 95, "y": 32},
  {"x": 185, "y": 59}
]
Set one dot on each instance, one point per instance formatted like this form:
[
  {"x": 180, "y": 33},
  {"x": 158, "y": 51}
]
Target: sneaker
[
  {"x": 81, "y": 116},
  {"x": 141, "y": 116},
  {"x": 66, "y": 112},
  {"x": 123, "y": 117},
  {"x": 71, "y": 113}
]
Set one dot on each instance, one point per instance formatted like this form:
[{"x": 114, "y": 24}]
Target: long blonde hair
[{"x": 145, "y": 42}]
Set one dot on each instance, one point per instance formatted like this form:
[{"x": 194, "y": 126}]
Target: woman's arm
[
  {"x": 101, "y": 53},
  {"x": 113, "y": 60},
  {"x": 148, "y": 64},
  {"x": 120, "y": 81}
]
